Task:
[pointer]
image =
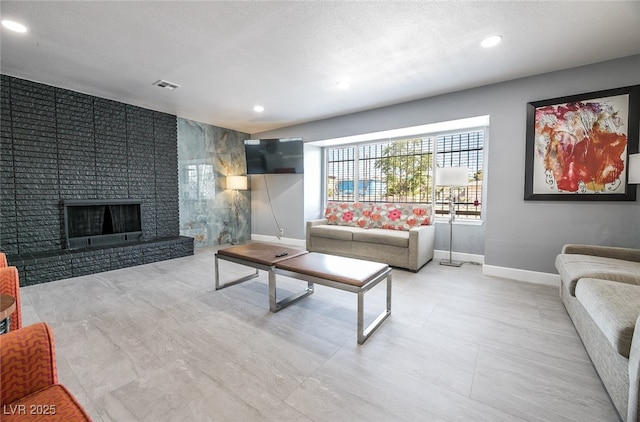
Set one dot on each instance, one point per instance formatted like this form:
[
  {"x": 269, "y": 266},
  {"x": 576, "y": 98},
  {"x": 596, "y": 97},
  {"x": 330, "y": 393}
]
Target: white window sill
[{"x": 460, "y": 221}]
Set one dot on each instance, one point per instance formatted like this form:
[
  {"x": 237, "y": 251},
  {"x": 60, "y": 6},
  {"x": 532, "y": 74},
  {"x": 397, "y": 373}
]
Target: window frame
[{"x": 434, "y": 162}]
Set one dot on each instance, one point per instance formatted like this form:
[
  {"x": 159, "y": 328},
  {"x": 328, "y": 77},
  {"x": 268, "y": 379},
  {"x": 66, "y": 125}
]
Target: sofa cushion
[
  {"x": 573, "y": 267},
  {"x": 382, "y": 237},
  {"x": 614, "y": 308},
  {"x": 334, "y": 232},
  {"x": 393, "y": 216},
  {"x": 354, "y": 214},
  {"x": 399, "y": 216},
  {"x": 421, "y": 213}
]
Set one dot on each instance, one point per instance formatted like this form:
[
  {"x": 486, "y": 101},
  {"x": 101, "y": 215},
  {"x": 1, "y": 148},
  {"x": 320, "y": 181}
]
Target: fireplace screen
[{"x": 101, "y": 222}]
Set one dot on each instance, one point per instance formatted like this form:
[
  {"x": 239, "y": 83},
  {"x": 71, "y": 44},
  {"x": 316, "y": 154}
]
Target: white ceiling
[{"x": 288, "y": 56}]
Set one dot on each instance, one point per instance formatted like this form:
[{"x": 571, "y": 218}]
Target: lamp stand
[
  {"x": 452, "y": 216},
  {"x": 236, "y": 210}
]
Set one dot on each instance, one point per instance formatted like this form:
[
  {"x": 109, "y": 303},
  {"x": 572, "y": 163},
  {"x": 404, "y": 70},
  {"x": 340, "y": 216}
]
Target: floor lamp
[
  {"x": 236, "y": 183},
  {"x": 451, "y": 176}
]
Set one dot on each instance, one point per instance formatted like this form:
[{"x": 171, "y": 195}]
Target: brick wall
[{"x": 58, "y": 144}]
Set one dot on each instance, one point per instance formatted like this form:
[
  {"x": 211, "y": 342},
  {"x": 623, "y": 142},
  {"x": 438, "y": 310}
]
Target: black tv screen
[{"x": 274, "y": 156}]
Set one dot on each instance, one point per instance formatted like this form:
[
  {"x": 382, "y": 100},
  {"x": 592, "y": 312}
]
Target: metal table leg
[
  {"x": 274, "y": 304},
  {"x": 365, "y": 333},
  {"x": 233, "y": 282}
]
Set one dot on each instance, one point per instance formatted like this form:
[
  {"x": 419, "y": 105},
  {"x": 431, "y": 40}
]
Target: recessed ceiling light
[
  {"x": 14, "y": 26},
  {"x": 344, "y": 84},
  {"x": 491, "y": 41},
  {"x": 258, "y": 109}
]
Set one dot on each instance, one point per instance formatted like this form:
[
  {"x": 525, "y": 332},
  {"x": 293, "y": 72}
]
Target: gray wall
[
  {"x": 287, "y": 205},
  {"x": 516, "y": 233},
  {"x": 295, "y": 198}
]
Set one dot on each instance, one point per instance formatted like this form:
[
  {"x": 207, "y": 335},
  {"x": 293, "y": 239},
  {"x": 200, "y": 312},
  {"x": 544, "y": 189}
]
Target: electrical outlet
[{"x": 281, "y": 232}]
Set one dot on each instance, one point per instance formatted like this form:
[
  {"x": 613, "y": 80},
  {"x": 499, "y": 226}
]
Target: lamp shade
[
  {"x": 452, "y": 176},
  {"x": 237, "y": 182},
  {"x": 634, "y": 168}
]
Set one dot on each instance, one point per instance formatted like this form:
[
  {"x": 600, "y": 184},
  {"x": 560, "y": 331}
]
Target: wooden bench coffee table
[
  {"x": 261, "y": 256},
  {"x": 348, "y": 274}
]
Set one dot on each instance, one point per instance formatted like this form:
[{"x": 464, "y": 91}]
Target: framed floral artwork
[{"x": 578, "y": 146}]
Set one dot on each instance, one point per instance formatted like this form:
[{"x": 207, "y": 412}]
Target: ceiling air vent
[{"x": 166, "y": 84}]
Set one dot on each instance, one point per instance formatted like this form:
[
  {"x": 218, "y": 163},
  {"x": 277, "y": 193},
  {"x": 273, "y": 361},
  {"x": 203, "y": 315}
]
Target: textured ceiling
[{"x": 288, "y": 56}]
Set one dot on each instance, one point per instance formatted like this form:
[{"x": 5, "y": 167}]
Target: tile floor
[{"x": 157, "y": 343}]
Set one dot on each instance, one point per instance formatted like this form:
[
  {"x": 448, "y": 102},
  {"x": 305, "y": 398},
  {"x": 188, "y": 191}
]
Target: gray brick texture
[{"x": 57, "y": 144}]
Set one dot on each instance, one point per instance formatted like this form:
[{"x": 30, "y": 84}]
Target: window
[
  {"x": 462, "y": 149},
  {"x": 402, "y": 171}
]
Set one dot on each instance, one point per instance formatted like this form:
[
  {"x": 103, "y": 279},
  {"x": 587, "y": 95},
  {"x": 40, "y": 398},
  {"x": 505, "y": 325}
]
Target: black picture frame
[{"x": 574, "y": 145}]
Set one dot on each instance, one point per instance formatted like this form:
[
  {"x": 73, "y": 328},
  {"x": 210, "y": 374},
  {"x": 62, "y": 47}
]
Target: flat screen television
[{"x": 274, "y": 156}]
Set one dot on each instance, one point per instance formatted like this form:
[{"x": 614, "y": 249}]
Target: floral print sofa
[{"x": 401, "y": 235}]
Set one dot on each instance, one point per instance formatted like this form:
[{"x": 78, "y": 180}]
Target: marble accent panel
[{"x": 208, "y": 212}]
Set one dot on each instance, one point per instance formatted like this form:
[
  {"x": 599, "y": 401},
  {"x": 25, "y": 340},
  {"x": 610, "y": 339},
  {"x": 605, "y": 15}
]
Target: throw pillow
[
  {"x": 399, "y": 216},
  {"x": 345, "y": 214}
]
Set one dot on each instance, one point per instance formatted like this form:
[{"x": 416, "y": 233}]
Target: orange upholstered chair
[
  {"x": 10, "y": 285},
  {"x": 29, "y": 389}
]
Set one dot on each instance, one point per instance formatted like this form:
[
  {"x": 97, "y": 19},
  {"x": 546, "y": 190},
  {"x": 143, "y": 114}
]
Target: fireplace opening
[{"x": 101, "y": 222}]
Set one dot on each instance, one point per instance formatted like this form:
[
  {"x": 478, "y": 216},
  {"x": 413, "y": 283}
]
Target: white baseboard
[
  {"x": 490, "y": 270},
  {"x": 298, "y": 243},
  {"x": 522, "y": 275},
  {"x": 502, "y": 272},
  {"x": 458, "y": 256}
]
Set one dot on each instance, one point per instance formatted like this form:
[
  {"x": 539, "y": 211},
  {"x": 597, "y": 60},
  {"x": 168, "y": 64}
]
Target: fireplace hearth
[{"x": 101, "y": 222}]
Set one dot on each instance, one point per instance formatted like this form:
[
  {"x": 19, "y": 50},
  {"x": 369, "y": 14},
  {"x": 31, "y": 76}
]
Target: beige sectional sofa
[
  {"x": 401, "y": 235},
  {"x": 600, "y": 287}
]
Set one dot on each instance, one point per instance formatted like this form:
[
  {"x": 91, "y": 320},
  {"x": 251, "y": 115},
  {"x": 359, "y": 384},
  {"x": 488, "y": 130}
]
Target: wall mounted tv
[{"x": 274, "y": 156}]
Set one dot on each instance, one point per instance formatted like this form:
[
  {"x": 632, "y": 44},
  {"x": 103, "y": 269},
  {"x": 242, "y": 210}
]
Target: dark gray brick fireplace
[{"x": 58, "y": 145}]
